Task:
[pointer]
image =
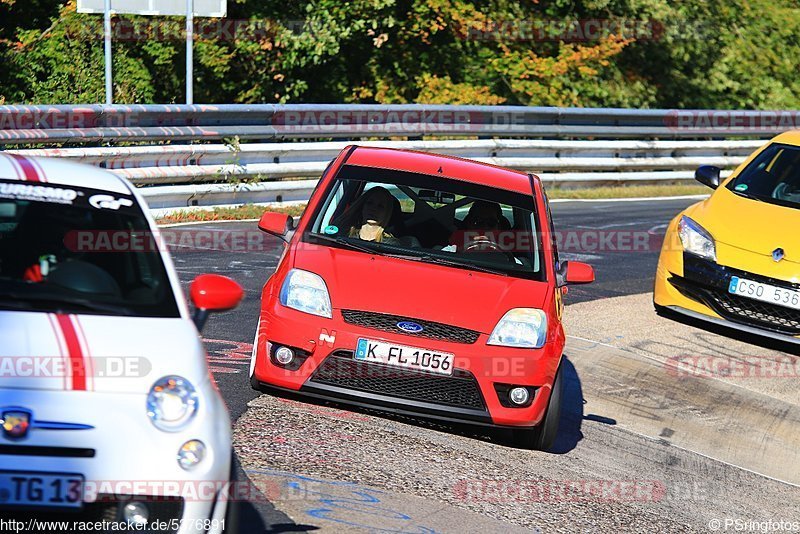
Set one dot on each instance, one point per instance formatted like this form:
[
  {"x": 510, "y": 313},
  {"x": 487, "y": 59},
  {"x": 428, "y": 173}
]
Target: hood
[
  {"x": 449, "y": 295},
  {"x": 749, "y": 224},
  {"x": 96, "y": 353}
]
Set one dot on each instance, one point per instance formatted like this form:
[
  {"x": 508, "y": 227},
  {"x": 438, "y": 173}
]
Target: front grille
[
  {"x": 707, "y": 282},
  {"x": 106, "y": 508},
  {"x": 430, "y": 329},
  {"x": 778, "y": 317},
  {"x": 340, "y": 369},
  {"x": 742, "y": 309}
]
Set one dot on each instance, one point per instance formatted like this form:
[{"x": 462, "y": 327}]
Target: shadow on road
[
  {"x": 572, "y": 417},
  {"x": 569, "y": 433},
  {"x": 731, "y": 332}
]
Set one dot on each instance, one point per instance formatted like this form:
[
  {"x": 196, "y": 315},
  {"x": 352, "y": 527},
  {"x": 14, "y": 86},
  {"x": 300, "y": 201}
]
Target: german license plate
[
  {"x": 369, "y": 350},
  {"x": 765, "y": 292},
  {"x": 46, "y": 490}
]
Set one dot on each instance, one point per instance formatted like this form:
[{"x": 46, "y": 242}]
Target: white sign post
[{"x": 187, "y": 8}]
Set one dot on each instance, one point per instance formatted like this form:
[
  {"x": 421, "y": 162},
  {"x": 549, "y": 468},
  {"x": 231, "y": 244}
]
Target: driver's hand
[
  {"x": 33, "y": 274},
  {"x": 39, "y": 271}
]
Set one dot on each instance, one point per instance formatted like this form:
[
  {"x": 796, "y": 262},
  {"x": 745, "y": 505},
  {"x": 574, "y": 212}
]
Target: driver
[{"x": 480, "y": 228}]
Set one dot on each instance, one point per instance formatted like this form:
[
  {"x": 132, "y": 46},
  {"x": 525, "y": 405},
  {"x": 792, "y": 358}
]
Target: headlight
[
  {"x": 696, "y": 239},
  {"x": 520, "y": 327},
  {"x": 306, "y": 292},
  {"x": 171, "y": 403}
]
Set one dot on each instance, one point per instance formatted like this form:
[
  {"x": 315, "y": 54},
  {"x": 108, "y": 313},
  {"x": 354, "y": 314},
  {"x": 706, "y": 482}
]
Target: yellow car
[{"x": 734, "y": 258}]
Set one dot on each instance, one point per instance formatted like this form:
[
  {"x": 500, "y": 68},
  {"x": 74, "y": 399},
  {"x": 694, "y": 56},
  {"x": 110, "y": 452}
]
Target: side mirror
[
  {"x": 213, "y": 293},
  {"x": 708, "y": 175},
  {"x": 574, "y": 272},
  {"x": 277, "y": 224}
]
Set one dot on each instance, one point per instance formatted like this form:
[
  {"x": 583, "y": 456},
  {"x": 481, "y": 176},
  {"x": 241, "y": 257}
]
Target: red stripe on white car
[
  {"x": 14, "y": 165},
  {"x": 87, "y": 355},
  {"x": 62, "y": 349},
  {"x": 30, "y": 171},
  {"x": 77, "y": 363}
]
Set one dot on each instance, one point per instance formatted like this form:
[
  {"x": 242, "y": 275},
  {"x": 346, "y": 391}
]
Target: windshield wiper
[
  {"x": 57, "y": 302},
  {"x": 427, "y": 258},
  {"x": 345, "y": 243},
  {"x": 751, "y": 197}
]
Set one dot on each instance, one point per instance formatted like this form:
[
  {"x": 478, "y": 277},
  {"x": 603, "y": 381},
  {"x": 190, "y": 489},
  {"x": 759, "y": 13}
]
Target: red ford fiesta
[{"x": 420, "y": 284}]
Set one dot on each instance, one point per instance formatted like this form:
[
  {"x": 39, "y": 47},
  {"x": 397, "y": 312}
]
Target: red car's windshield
[{"x": 430, "y": 218}]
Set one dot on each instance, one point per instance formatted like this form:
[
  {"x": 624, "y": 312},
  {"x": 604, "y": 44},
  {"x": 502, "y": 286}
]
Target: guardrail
[
  {"x": 174, "y": 175},
  {"x": 64, "y": 124},
  {"x": 268, "y": 172}
]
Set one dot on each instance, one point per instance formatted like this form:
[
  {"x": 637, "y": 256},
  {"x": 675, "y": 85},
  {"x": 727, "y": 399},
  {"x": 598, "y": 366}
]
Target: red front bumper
[{"x": 487, "y": 365}]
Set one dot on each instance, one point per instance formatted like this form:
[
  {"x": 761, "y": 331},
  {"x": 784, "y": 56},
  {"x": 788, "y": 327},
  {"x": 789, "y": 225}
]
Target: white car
[{"x": 109, "y": 412}]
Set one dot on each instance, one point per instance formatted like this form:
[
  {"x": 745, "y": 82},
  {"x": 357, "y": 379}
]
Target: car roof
[
  {"x": 57, "y": 171},
  {"x": 441, "y": 165},
  {"x": 790, "y": 138}
]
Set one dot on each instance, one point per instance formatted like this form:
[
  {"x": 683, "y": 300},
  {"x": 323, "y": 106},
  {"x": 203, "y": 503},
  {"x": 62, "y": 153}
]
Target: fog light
[
  {"x": 136, "y": 514},
  {"x": 518, "y": 396},
  {"x": 284, "y": 355},
  {"x": 191, "y": 453}
]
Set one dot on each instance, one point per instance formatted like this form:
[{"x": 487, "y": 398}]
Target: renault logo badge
[
  {"x": 16, "y": 423},
  {"x": 778, "y": 254}
]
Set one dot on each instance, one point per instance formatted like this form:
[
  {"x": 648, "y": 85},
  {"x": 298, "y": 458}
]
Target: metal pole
[
  {"x": 189, "y": 51},
  {"x": 107, "y": 39}
]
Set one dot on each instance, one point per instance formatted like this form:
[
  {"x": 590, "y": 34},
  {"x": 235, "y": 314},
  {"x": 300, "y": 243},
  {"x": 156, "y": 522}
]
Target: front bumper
[
  {"x": 470, "y": 395},
  {"x": 124, "y": 457},
  {"x": 698, "y": 288}
]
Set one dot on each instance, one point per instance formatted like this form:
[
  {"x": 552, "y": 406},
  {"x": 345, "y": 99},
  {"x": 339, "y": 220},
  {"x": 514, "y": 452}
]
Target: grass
[
  {"x": 250, "y": 211},
  {"x": 633, "y": 191},
  {"x": 246, "y": 211}
]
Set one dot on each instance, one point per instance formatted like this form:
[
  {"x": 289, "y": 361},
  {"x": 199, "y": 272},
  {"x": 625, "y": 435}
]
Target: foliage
[{"x": 649, "y": 53}]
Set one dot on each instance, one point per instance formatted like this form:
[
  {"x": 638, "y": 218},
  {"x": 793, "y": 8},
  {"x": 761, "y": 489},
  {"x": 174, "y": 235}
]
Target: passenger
[{"x": 377, "y": 210}]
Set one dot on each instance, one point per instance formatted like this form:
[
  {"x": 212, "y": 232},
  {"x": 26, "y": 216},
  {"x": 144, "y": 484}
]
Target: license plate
[
  {"x": 369, "y": 350},
  {"x": 765, "y": 292},
  {"x": 45, "y": 490}
]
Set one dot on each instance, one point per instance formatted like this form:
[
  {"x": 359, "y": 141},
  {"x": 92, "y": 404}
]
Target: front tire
[
  {"x": 543, "y": 436},
  {"x": 232, "y": 510}
]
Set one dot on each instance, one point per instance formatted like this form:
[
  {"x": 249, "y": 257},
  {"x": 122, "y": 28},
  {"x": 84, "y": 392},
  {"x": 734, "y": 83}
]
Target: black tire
[
  {"x": 542, "y": 437},
  {"x": 255, "y": 384},
  {"x": 232, "y": 510}
]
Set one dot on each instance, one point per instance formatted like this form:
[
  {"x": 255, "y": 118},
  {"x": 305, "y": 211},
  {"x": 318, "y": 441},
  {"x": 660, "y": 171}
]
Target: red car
[{"x": 424, "y": 285}]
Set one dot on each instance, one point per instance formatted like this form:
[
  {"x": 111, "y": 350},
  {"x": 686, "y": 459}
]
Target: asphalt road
[{"x": 620, "y": 239}]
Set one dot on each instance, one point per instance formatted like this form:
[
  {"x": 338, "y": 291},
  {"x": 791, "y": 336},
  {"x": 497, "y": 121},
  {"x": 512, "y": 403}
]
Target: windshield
[
  {"x": 63, "y": 249},
  {"x": 431, "y": 219},
  {"x": 773, "y": 177}
]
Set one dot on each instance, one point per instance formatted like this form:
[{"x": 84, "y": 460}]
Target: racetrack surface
[{"x": 623, "y": 417}]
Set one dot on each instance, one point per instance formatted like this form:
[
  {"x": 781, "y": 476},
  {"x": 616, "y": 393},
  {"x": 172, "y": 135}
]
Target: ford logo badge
[{"x": 408, "y": 326}]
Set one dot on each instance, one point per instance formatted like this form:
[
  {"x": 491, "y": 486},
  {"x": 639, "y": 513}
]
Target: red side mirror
[
  {"x": 212, "y": 292},
  {"x": 579, "y": 273},
  {"x": 278, "y": 224}
]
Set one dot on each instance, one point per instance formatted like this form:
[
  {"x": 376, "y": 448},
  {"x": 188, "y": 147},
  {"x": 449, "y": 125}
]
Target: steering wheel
[
  {"x": 786, "y": 191},
  {"x": 485, "y": 243},
  {"x": 482, "y": 242}
]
